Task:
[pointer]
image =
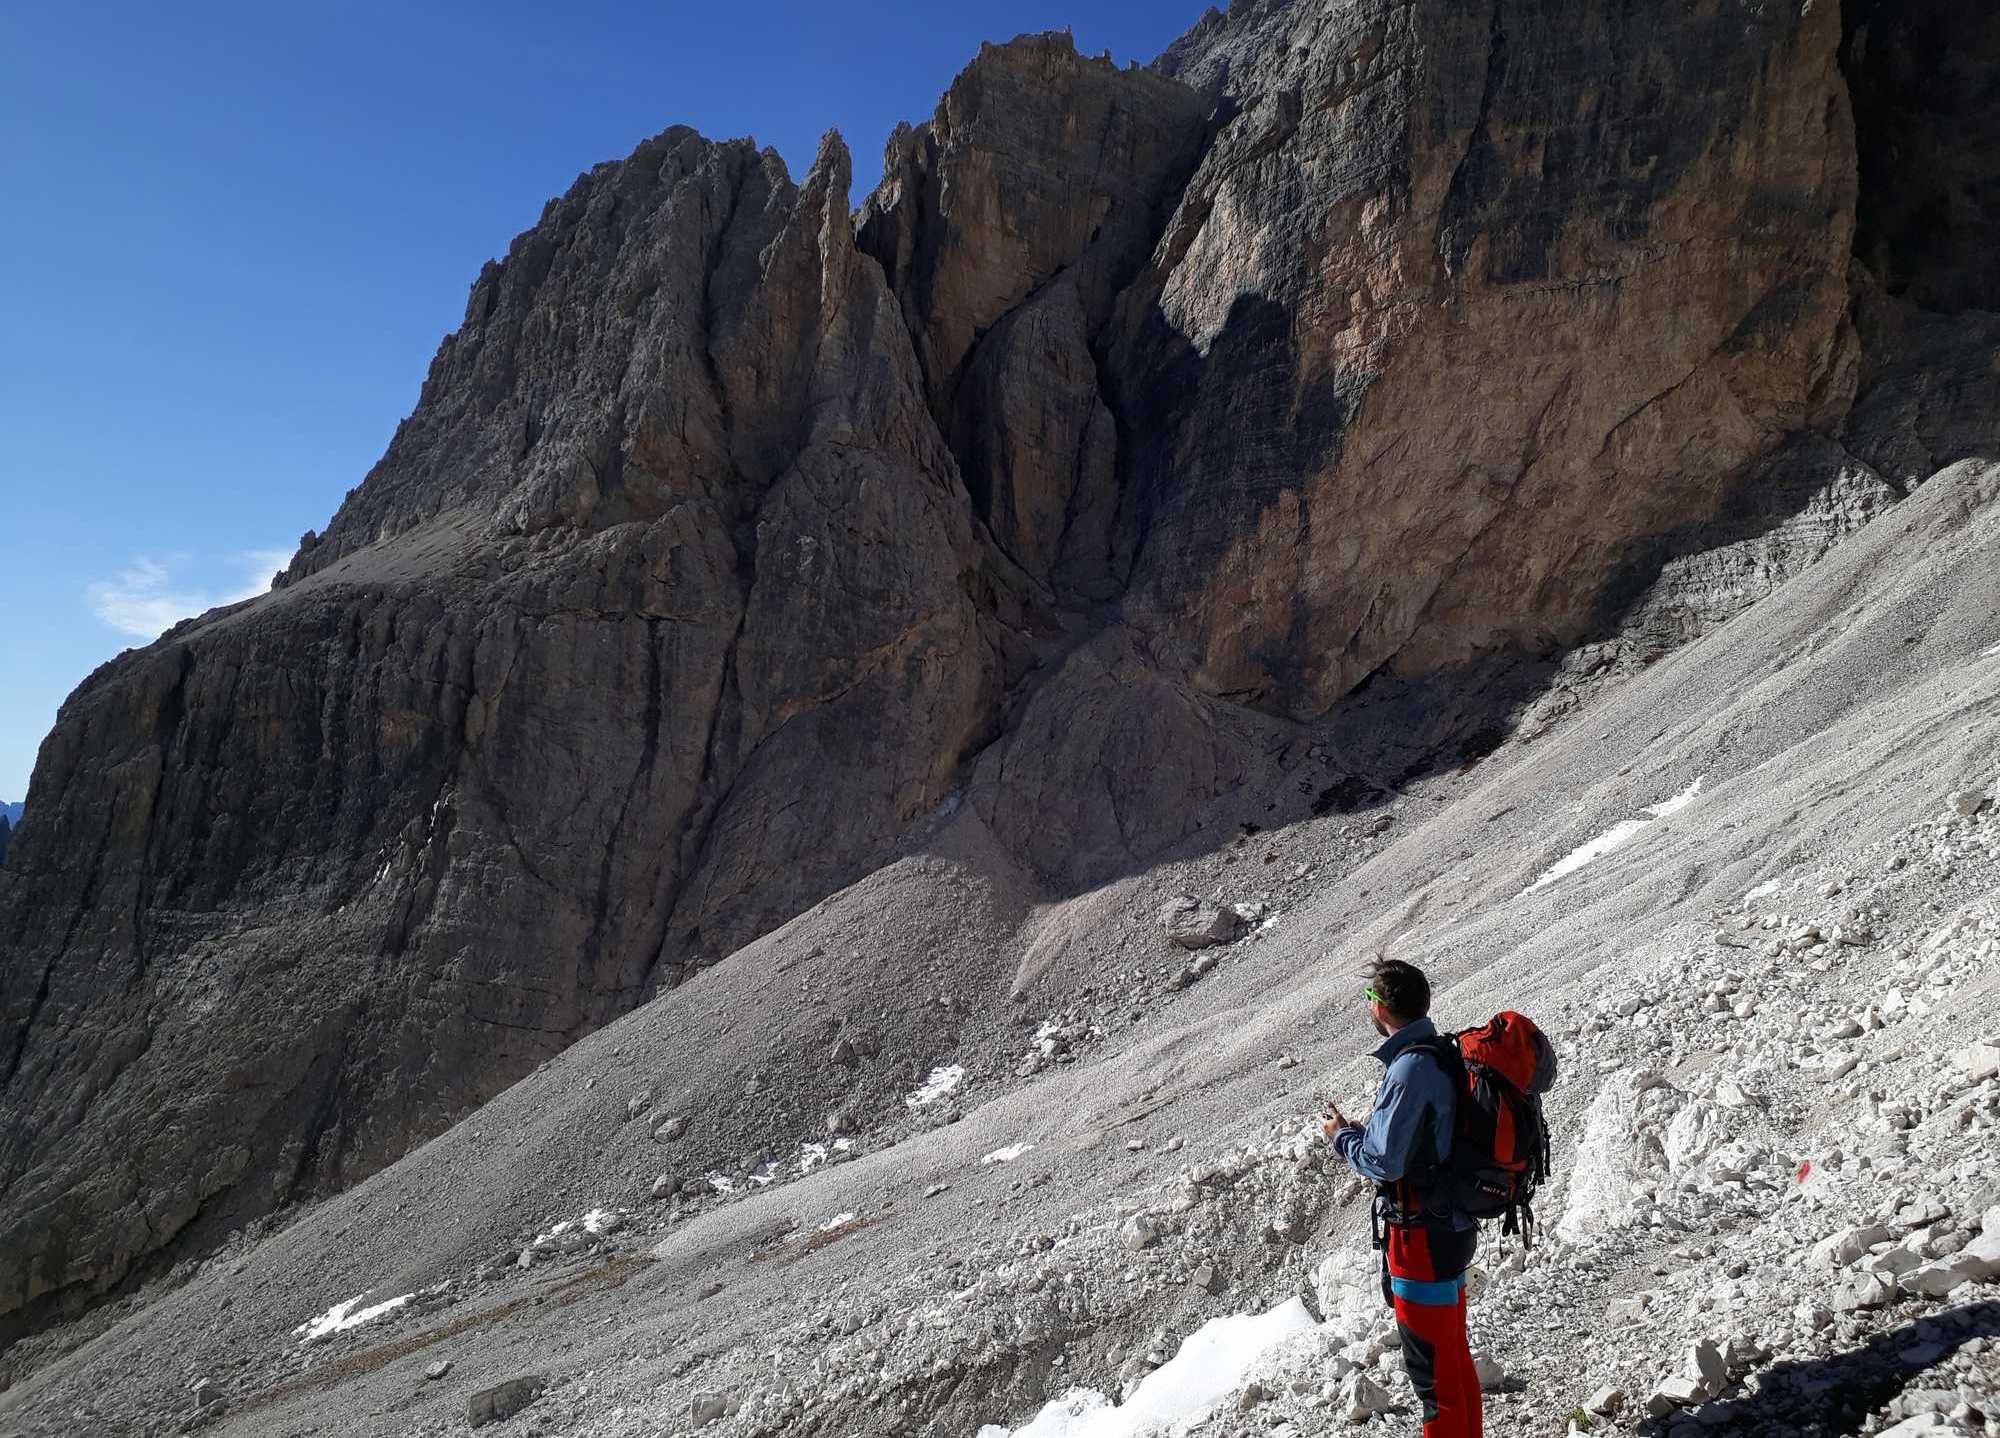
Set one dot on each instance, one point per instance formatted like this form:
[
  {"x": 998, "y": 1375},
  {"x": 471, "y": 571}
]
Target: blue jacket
[{"x": 1415, "y": 1092}]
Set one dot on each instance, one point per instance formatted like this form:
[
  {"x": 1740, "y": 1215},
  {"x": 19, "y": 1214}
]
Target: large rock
[
  {"x": 1620, "y": 1157},
  {"x": 503, "y": 1401}
]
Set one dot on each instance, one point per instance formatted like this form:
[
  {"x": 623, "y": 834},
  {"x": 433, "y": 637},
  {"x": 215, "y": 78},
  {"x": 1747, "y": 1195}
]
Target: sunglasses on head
[{"x": 1373, "y": 997}]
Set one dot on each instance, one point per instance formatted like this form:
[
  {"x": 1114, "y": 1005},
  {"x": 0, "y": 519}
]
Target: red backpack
[{"x": 1500, "y": 1141}]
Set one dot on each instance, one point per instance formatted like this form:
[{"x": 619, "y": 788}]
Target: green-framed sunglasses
[{"x": 1374, "y": 998}]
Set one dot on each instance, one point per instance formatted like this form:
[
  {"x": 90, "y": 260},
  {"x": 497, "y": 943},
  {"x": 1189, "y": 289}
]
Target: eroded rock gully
[{"x": 1138, "y": 418}]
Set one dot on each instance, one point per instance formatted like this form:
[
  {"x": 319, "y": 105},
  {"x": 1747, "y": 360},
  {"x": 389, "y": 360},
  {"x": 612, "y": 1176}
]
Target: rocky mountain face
[
  {"x": 6, "y": 832},
  {"x": 1319, "y": 389}
]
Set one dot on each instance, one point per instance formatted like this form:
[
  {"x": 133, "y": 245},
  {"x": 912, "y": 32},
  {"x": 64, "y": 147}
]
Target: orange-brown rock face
[{"x": 1463, "y": 299}]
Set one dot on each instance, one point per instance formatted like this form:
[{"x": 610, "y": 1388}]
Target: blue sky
[{"x": 236, "y": 232}]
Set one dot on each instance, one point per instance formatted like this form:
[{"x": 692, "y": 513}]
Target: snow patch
[
  {"x": 596, "y": 1223},
  {"x": 1679, "y": 802},
  {"x": 1995, "y": 650},
  {"x": 1209, "y": 1366},
  {"x": 343, "y": 1316},
  {"x": 835, "y": 1222},
  {"x": 812, "y": 1155},
  {"x": 766, "y": 1173},
  {"x": 941, "y": 1082},
  {"x": 1008, "y": 1154},
  {"x": 1615, "y": 837},
  {"x": 721, "y": 1183}
]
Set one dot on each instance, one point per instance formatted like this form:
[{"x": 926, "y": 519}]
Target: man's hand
[{"x": 1334, "y": 1120}]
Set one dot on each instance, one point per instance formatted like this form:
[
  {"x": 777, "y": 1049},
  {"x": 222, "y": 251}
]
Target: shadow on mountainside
[{"x": 1822, "y": 1397}]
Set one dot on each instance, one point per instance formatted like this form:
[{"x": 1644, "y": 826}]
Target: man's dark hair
[{"x": 1404, "y": 990}]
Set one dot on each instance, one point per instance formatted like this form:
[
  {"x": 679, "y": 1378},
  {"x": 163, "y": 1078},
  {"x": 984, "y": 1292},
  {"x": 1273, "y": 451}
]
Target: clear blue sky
[{"x": 236, "y": 232}]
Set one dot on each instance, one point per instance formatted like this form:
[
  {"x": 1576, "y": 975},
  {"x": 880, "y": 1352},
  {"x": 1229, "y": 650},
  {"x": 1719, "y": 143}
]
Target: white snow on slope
[
  {"x": 1679, "y": 802},
  {"x": 596, "y": 1223},
  {"x": 812, "y": 1155},
  {"x": 343, "y": 1316},
  {"x": 1182, "y": 1391},
  {"x": 1615, "y": 837},
  {"x": 1008, "y": 1154},
  {"x": 941, "y": 1082},
  {"x": 1991, "y": 652}
]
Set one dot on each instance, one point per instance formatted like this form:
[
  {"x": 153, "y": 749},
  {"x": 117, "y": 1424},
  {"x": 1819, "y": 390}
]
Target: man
[{"x": 1428, "y": 1246}]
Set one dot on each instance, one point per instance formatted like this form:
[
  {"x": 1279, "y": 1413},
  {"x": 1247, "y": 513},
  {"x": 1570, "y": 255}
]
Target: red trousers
[{"x": 1426, "y": 1283}]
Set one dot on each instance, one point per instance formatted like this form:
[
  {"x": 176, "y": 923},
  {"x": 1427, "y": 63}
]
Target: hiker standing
[{"x": 1427, "y": 1244}]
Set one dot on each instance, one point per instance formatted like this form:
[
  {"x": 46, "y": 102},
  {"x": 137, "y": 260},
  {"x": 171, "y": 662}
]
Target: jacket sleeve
[{"x": 1380, "y": 1152}]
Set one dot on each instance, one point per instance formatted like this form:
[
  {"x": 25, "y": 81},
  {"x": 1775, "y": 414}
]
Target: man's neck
[{"x": 1394, "y": 1041}]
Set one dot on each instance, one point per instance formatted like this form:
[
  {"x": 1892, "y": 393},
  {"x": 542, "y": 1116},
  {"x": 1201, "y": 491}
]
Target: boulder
[
  {"x": 1983, "y": 1252},
  {"x": 1143, "y": 1230},
  {"x": 1195, "y": 925},
  {"x": 503, "y": 1400},
  {"x": 1943, "y": 1276},
  {"x": 1978, "y": 1061},
  {"x": 1847, "y": 1246},
  {"x": 1674, "y": 1394},
  {"x": 1704, "y": 1364},
  {"x": 1361, "y": 1397},
  {"x": 1864, "y": 1290},
  {"x": 707, "y": 1408}
]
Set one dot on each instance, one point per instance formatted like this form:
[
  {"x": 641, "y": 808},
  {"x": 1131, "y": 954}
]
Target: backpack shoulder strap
[
  {"x": 1444, "y": 1050},
  {"x": 1410, "y": 1200}
]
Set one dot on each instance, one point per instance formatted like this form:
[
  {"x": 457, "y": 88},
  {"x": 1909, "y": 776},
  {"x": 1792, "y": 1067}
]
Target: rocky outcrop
[
  {"x": 1137, "y": 420},
  {"x": 1007, "y": 268},
  {"x": 503, "y": 754},
  {"x": 1463, "y": 300}
]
